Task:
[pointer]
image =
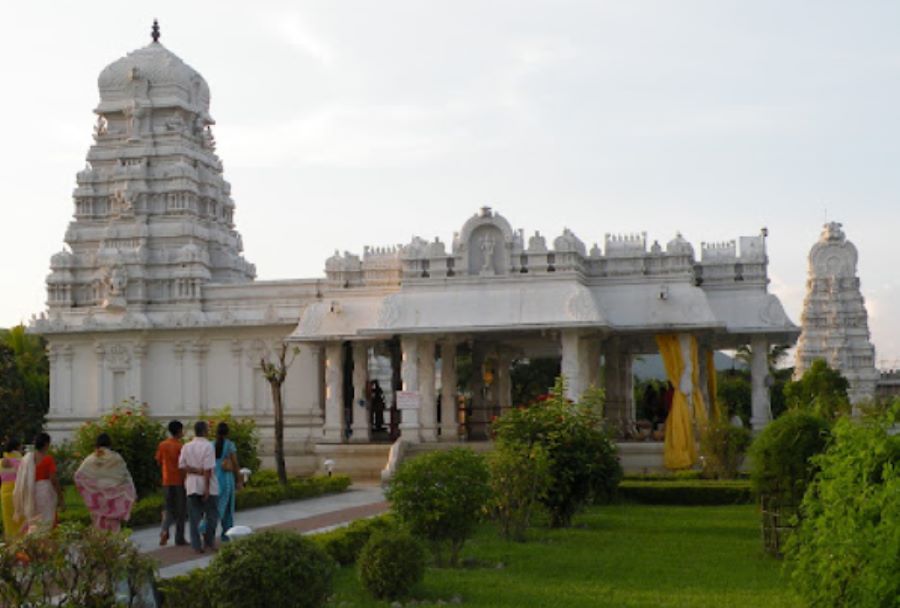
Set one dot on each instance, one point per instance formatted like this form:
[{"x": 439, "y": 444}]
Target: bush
[
  {"x": 390, "y": 564},
  {"x": 344, "y": 544},
  {"x": 821, "y": 391},
  {"x": 244, "y": 434},
  {"x": 440, "y": 496},
  {"x": 723, "y": 447},
  {"x": 70, "y": 566},
  {"x": 520, "y": 478},
  {"x": 583, "y": 461},
  {"x": 846, "y": 550},
  {"x": 781, "y": 469},
  {"x": 68, "y": 459},
  {"x": 271, "y": 569},
  {"x": 191, "y": 589},
  {"x": 262, "y": 495},
  {"x": 134, "y": 435},
  {"x": 686, "y": 492}
]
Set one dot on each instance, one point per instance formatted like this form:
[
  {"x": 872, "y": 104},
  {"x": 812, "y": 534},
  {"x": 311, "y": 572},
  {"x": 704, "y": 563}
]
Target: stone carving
[
  {"x": 118, "y": 358},
  {"x": 835, "y": 321},
  {"x": 487, "y": 253}
]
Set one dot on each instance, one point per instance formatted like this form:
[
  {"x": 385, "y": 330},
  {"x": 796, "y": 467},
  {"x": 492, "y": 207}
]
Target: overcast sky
[{"x": 342, "y": 124}]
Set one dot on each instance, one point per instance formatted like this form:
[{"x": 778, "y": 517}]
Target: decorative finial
[{"x": 154, "y": 31}]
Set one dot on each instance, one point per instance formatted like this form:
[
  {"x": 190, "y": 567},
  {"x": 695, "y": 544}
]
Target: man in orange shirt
[{"x": 167, "y": 455}]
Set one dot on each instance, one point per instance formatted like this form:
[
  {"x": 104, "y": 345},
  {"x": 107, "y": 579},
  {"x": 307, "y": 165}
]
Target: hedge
[
  {"x": 148, "y": 510},
  {"x": 687, "y": 492}
]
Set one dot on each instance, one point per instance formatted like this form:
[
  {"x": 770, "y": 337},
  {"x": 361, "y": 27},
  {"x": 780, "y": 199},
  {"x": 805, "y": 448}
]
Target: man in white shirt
[{"x": 198, "y": 459}]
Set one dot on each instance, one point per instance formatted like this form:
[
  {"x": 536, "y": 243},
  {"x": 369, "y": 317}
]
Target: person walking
[
  {"x": 37, "y": 494},
  {"x": 106, "y": 486},
  {"x": 9, "y": 465},
  {"x": 167, "y": 455},
  {"x": 228, "y": 475},
  {"x": 198, "y": 460}
]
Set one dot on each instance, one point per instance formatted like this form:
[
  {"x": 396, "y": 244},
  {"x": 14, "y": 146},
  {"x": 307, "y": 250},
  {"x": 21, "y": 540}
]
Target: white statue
[{"x": 487, "y": 249}]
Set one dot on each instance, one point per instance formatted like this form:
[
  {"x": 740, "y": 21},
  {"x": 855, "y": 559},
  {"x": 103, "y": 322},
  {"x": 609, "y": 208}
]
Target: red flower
[{"x": 22, "y": 557}]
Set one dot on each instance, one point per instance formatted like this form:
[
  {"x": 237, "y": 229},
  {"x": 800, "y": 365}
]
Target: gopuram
[
  {"x": 151, "y": 299},
  {"x": 835, "y": 322}
]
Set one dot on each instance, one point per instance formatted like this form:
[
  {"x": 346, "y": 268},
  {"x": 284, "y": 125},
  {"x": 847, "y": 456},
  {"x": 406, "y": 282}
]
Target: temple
[
  {"x": 835, "y": 322},
  {"x": 152, "y": 300}
]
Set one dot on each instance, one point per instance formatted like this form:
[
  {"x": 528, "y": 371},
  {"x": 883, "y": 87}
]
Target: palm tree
[{"x": 777, "y": 353}]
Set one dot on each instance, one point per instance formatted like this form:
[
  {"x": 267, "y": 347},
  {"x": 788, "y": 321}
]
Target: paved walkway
[{"x": 306, "y": 516}]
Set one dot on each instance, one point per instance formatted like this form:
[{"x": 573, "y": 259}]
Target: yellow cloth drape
[
  {"x": 712, "y": 386},
  {"x": 679, "y": 452},
  {"x": 700, "y": 415}
]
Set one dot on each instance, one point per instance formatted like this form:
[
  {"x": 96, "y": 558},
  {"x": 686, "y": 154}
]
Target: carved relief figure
[{"x": 487, "y": 249}]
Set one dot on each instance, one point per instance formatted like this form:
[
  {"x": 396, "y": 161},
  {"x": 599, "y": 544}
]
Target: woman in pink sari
[{"x": 105, "y": 485}]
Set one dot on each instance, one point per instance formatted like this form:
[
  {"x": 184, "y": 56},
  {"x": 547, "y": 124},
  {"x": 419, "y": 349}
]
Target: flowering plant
[{"x": 135, "y": 437}]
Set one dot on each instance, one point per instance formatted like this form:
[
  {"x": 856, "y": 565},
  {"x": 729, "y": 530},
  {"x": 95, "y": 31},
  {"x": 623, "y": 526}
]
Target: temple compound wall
[{"x": 152, "y": 299}]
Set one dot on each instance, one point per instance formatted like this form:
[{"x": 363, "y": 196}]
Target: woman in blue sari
[{"x": 228, "y": 473}]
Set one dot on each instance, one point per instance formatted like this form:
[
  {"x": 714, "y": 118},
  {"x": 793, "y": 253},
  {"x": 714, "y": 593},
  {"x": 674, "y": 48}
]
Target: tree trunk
[{"x": 279, "y": 431}]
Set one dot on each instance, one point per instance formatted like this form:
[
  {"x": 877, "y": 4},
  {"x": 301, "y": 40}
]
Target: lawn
[{"x": 619, "y": 555}]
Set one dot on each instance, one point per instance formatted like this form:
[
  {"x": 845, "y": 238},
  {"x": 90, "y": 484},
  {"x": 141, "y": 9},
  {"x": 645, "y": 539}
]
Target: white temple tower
[
  {"x": 153, "y": 215},
  {"x": 835, "y": 323}
]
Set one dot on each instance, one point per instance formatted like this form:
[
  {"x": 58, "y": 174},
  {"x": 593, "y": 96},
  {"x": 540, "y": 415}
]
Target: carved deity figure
[
  {"x": 487, "y": 249},
  {"x": 102, "y": 126}
]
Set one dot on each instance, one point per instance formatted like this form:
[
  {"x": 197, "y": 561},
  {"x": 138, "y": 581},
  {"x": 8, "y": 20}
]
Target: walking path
[{"x": 305, "y": 516}]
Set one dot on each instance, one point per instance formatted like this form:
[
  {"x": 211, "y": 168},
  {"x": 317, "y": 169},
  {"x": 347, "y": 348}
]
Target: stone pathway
[{"x": 305, "y": 516}]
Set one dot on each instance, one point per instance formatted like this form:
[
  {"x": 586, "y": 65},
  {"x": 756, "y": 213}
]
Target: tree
[
  {"x": 275, "y": 373},
  {"x": 821, "y": 390},
  {"x": 24, "y": 383},
  {"x": 775, "y": 356}
]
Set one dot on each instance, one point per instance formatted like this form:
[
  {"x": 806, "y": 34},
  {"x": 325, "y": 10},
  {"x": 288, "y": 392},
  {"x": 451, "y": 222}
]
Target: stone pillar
[
  {"x": 178, "y": 351},
  {"x": 593, "y": 350},
  {"x": 427, "y": 405},
  {"x": 333, "y": 429},
  {"x": 68, "y": 386},
  {"x": 618, "y": 384},
  {"x": 761, "y": 411},
  {"x": 504, "y": 381},
  {"x": 104, "y": 399},
  {"x": 449, "y": 422},
  {"x": 53, "y": 360},
  {"x": 409, "y": 376},
  {"x": 476, "y": 422},
  {"x": 360, "y": 425},
  {"x": 575, "y": 364},
  {"x": 200, "y": 349},
  {"x": 137, "y": 371}
]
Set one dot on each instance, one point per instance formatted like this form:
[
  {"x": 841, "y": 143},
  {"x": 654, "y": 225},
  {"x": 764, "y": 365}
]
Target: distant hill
[{"x": 648, "y": 367}]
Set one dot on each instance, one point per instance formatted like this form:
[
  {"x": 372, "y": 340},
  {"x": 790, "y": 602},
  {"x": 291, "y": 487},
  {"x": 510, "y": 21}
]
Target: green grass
[{"x": 619, "y": 555}]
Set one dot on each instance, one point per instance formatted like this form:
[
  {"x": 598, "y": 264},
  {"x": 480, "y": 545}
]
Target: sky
[{"x": 342, "y": 124}]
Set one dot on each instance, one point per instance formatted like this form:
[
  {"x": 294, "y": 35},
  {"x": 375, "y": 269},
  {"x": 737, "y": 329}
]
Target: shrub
[
  {"x": 271, "y": 569},
  {"x": 134, "y": 435},
  {"x": 520, "y": 478},
  {"x": 344, "y": 544},
  {"x": 191, "y": 589},
  {"x": 390, "y": 564},
  {"x": 244, "y": 434},
  {"x": 781, "y": 469},
  {"x": 821, "y": 391},
  {"x": 723, "y": 447},
  {"x": 583, "y": 461},
  {"x": 67, "y": 460},
  {"x": 71, "y": 566},
  {"x": 440, "y": 496},
  {"x": 846, "y": 550}
]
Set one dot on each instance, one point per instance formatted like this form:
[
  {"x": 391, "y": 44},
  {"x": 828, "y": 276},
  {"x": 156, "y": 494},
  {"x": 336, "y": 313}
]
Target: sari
[
  {"x": 34, "y": 498},
  {"x": 12, "y": 527},
  {"x": 226, "y": 487},
  {"x": 106, "y": 486}
]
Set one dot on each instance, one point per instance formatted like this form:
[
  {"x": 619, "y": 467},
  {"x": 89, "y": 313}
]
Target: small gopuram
[
  {"x": 152, "y": 300},
  {"x": 835, "y": 324}
]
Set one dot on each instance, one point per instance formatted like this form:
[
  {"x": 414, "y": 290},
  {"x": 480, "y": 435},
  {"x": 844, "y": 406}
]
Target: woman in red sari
[
  {"x": 37, "y": 494},
  {"x": 106, "y": 486}
]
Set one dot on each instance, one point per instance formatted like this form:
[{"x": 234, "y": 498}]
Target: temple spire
[{"x": 154, "y": 31}]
